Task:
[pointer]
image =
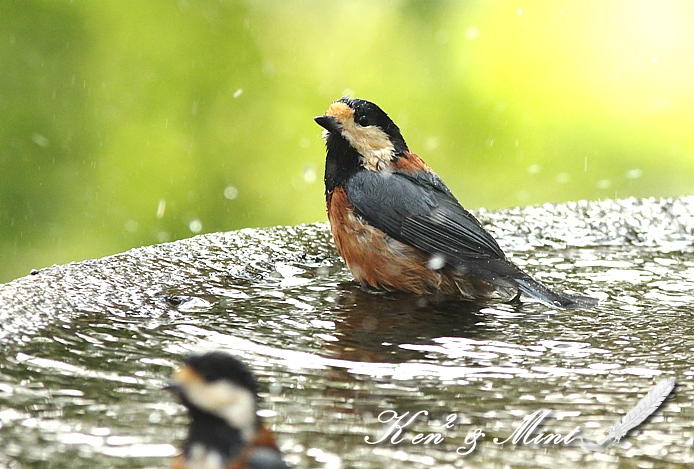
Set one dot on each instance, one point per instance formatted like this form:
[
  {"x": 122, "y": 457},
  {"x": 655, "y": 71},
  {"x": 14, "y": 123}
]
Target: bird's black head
[
  {"x": 365, "y": 126},
  {"x": 358, "y": 135},
  {"x": 368, "y": 114},
  {"x": 213, "y": 366}
]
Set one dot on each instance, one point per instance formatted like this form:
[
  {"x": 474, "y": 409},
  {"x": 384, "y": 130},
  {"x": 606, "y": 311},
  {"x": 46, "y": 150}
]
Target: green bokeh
[{"x": 126, "y": 123}]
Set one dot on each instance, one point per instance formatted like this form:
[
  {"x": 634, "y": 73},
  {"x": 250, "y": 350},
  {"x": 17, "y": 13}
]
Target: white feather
[{"x": 641, "y": 411}]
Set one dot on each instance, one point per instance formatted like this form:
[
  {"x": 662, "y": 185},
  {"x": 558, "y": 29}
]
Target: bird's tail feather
[{"x": 532, "y": 287}]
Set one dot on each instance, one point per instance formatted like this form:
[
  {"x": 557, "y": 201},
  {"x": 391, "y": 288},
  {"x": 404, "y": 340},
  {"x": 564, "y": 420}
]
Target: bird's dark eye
[{"x": 362, "y": 120}]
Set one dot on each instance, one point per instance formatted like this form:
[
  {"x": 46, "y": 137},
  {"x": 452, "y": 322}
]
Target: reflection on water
[{"x": 85, "y": 360}]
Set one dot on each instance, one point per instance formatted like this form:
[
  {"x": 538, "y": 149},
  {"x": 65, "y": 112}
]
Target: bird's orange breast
[{"x": 378, "y": 260}]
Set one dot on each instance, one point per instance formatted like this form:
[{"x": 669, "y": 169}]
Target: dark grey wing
[{"x": 419, "y": 210}]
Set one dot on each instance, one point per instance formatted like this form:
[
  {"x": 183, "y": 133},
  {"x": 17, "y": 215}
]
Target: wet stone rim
[{"x": 136, "y": 282}]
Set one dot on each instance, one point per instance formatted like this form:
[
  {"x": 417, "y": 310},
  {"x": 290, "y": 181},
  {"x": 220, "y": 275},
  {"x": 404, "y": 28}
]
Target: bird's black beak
[{"x": 328, "y": 123}]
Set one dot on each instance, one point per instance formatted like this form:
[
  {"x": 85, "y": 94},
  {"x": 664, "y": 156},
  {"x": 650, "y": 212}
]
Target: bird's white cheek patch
[
  {"x": 234, "y": 404},
  {"x": 372, "y": 144}
]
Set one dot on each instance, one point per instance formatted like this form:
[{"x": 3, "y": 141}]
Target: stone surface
[{"x": 143, "y": 281}]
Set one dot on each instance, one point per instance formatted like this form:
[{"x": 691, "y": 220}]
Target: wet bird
[
  {"x": 398, "y": 227},
  {"x": 225, "y": 431}
]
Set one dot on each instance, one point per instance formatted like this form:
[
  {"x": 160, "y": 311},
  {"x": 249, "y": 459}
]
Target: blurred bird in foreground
[
  {"x": 225, "y": 431},
  {"x": 398, "y": 227}
]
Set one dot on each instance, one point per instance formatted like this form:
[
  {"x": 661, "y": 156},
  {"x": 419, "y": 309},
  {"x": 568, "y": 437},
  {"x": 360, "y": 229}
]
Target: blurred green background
[{"x": 131, "y": 123}]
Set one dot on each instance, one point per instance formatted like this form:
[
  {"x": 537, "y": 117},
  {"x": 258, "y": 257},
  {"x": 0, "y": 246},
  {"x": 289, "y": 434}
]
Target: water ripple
[{"x": 85, "y": 359}]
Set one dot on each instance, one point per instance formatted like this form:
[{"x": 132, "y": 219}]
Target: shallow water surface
[{"x": 88, "y": 347}]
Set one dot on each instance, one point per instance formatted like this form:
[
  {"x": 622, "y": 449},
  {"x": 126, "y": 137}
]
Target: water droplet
[
  {"x": 522, "y": 196},
  {"x": 432, "y": 143},
  {"x": 195, "y": 226},
  {"x": 237, "y": 93},
  {"x": 442, "y": 36},
  {"x": 274, "y": 388},
  {"x": 309, "y": 174},
  {"x": 472, "y": 33},
  {"x": 131, "y": 226},
  {"x": 161, "y": 208},
  {"x": 563, "y": 178},
  {"x": 634, "y": 173},
  {"x": 40, "y": 140},
  {"x": 436, "y": 262},
  {"x": 230, "y": 192}
]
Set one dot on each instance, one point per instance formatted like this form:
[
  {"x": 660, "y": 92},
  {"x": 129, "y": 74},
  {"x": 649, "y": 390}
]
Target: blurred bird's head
[{"x": 218, "y": 384}]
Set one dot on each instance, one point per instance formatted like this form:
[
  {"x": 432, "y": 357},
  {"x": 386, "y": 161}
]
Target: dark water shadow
[{"x": 375, "y": 324}]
